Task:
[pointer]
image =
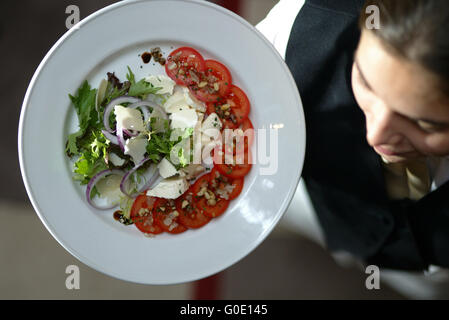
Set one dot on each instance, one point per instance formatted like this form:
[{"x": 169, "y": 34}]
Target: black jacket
[{"x": 342, "y": 172}]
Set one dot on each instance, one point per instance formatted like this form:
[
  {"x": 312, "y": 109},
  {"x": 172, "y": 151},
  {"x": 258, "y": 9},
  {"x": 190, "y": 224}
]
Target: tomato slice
[
  {"x": 212, "y": 211},
  {"x": 232, "y": 109},
  {"x": 206, "y": 199},
  {"x": 166, "y": 216},
  {"x": 142, "y": 215},
  {"x": 221, "y": 184},
  {"x": 227, "y": 123},
  {"x": 201, "y": 182},
  {"x": 184, "y": 66},
  {"x": 238, "y": 184},
  {"x": 215, "y": 82},
  {"x": 239, "y": 167},
  {"x": 234, "y": 171},
  {"x": 190, "y": 215},
  {"x": 240, "y": 139}
]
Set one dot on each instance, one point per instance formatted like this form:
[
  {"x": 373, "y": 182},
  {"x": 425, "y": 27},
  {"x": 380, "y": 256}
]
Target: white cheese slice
[
  {"x": 127, "y": 118},
  {"x": 182, "y": 98},
  {"x": 193, "y": 170},
  {"x": 192, "y": 101},
  {"x": 136, "y": 148},
  {"x": 161, "y": 81},
  {"x": 211, "y": 126},
  {"x": 170, "y": 188},
  {"x": 183, "y": 119},
  {"x": 109, "y": 188},
  {"x": 101, "y": 92},
  {"x": 176, "y": 102},
  {"x": 166, "y": 169},
  {"x": 116, "y": 160}
]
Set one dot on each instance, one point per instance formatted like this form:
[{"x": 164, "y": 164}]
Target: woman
[{"x": 376, "y": 103}]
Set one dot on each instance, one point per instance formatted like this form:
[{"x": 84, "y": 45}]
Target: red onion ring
[
  {"x": 153, "y": 175},
  {"x": 158, "y": 178},
  {"x": 92, "y": 184},
  {"x": 143, "y": 107},
  {"x": 120, "y": 138},
  {"x": 131, "y": 133},
  {"x": 110, "y": 107},
  {"x": 149, "y": 104},
  {"x": 110, "y": 136}
]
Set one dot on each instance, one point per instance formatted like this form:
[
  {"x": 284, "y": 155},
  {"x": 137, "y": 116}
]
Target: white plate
[{"x": 109, "y": 40}]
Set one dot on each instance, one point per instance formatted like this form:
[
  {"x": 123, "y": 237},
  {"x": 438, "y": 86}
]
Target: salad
[{"x": 170, "y": 151}]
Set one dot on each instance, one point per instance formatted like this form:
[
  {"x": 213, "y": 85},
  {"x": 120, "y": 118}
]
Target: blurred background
[{"x": 288, "y": 264}]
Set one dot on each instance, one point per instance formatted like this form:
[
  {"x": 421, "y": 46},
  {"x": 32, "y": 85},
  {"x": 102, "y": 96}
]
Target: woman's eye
[{"x": 429, "y": 127}]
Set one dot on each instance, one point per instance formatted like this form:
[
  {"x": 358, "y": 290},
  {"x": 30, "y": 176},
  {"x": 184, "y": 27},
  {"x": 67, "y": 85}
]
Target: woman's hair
[{"x": 416, "y": 30}]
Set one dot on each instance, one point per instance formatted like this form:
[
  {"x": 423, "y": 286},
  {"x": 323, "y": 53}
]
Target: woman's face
[{"x": 406, "y": 116}]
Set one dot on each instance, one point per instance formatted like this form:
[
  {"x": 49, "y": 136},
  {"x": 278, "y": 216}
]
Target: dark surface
[{"x": 28, "y": 29}]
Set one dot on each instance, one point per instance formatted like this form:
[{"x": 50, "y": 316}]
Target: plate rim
[{"x": 287, "y": 200}]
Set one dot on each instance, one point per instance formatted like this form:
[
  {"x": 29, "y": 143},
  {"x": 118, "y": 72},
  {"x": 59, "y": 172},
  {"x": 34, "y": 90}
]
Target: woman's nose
[{"x": 382, "y": 127}]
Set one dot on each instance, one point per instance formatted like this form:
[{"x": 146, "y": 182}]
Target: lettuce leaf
[
  {"x": 142, "y": 89},
  {"x": 71, "y": 146},
  {"x": 92, "y": 159},
  {"x": 84, "y": 102},
  {"x": 130, "y": 76},
  {"x": 170, "y": 143}
]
